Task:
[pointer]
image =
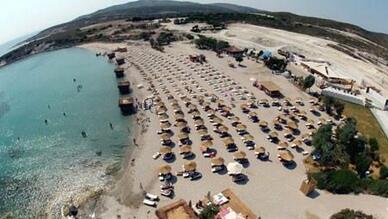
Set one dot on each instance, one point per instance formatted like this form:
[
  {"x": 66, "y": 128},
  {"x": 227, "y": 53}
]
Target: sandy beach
[{"x": 271, "y": 191}]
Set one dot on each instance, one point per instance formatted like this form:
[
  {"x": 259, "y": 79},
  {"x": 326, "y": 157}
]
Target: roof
[
  {"x": 270, "y": 86},
  {"x": 237, "y": 205},
  {"x": 176, "y": 210},
  {"x": 233, "y": 49},
  {"x": 324, "y": 69}
]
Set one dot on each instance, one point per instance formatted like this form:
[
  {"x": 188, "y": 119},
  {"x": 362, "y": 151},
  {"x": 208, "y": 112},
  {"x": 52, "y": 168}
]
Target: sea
[{"x": 46, "y": 102}]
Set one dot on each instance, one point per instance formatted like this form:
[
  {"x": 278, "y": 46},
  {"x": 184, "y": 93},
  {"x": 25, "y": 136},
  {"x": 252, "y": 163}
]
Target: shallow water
[{"x": 42, "y": 164}]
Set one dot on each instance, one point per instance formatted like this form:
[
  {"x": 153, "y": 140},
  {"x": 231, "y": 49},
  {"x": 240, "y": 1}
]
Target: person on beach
[
  {"x": 64, "y": 114},
  {"x": 111, "y": 125},
  {"x": 48, "y": 106},
  {"x": 46, "y": 121}
]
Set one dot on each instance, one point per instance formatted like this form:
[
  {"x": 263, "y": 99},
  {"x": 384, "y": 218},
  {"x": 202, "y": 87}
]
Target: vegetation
[
  {"x": 369, "y": 127},
  {"x": 276, "y": 64},
  {"x": 308, "y": 82},
  {"x": 239, "y": 59},
  {"x": 383, "y": 172},
  {"x": 209, "y": 212},
  {"x": 332, "y": 105},
  {"x": 210, "y": 43},
  {"x": 338, "y": 181},
  {"x": 350, "y": 214}
]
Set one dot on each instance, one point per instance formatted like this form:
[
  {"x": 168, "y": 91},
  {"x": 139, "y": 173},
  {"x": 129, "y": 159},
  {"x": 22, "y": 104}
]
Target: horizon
[{"x": 62, "y": 11}]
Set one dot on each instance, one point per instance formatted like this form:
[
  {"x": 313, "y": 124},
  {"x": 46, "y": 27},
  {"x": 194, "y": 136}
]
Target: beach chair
[
  {"x": 151, "y": 197},
  {"x": 149, "y": 203}
]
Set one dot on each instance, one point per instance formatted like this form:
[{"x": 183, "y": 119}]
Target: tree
[
  {"x": 308, "y": 82},
  {"x": 374, "y": 144},
  {"x": 209, "y": 212},
  {"x": 339, "y": 108},
  {"x": 328, "y": 103},
  {"x": 383, "y": 172},
  {"x": 339, "y": 181},
  {"x": 350, "y": 214},
  {"x": 362, "y": 164}
]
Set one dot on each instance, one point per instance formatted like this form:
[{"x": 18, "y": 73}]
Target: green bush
[
  {"x": 378, "y": 187},
  {"x": 383, "y": 172},
  {"x": 374, "y": 144},
  {"x": 339, "y": 181},
  {"x": 350, "y": 214},
  {"x": 209, "y": 212}
]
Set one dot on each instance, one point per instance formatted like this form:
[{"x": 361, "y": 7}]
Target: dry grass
[{"x": 368, "y": 125}]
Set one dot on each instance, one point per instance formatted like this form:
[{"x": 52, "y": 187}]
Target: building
[
  {"x": 270, "y": 88},
  {"x": 343, "y": 95},
  {"x": 323, "y": 70},
  {"x": 234, "y": 51},
  {"x": 377, "y": 98},
  {"x": 176, "y": 210}
]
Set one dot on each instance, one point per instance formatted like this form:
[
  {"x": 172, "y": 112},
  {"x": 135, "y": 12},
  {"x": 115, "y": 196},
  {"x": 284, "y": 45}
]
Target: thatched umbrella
[
  {"x": 234, "y": 118},
  {"x": 181, "y": 124},
  {"x": 292, "y": 125},
  {"x": 179, "y": 116},
  {"x": 165, "y": 150},
  {"x": 161, "y": 109},
  {"x": 211, "y": 112},
  {"x": 189, "y": 166},
  {"x": 165, "y": 125},
  {"x": 263, "y": 101},
  {"x": 223, "y": 128},
  {"x": 296, "y": 143},
  {"x": 185, "y": 149},
  {"x": 243, "y": 106},
  {"x": 286, "y": 155},
  {"x": 273, "y": 134},
  {"x": 234, "y": 168},
  {"x": 218, "y": 161},
  {"x": 226, "y": 109},
  {"x": 165, "y": 137},
  {"x": 207, "y": 143},
  {"x": 199, "y": 122},
  {"x": 241, "y": 127},
  {"x": 263, "y": 123},
  {"x": 217, "y": 120},
  {"x": 183, "y": 135},
  {"x": 248, "y": 137},
  {"x": 228, "y": 140},
  {"x": 195, "y": 113},
  {"x": 239, "y": 155},
  {"x": 252, "y": 114},
  {"x": 164, "y": 169},
  {"x": 202, "y": 132},
  {"x": 260, "y": 150},
  {"x": 283, "y": 145}
]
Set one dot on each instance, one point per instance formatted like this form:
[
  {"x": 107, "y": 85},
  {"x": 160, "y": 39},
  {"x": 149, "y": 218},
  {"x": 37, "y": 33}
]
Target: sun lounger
[
  {"x": 149, "y": 203},
  {"x": 217, "y": 169},
  {"x": 151, "y": 197},
  {"x": 156, "y": 155}
]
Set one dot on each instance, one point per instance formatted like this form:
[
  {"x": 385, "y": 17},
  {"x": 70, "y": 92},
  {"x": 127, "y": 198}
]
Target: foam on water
[{"x": 45, "y": 164}]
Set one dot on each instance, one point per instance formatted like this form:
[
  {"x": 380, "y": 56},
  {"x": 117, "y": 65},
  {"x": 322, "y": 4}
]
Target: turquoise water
[{"x": 43, "y": 164}]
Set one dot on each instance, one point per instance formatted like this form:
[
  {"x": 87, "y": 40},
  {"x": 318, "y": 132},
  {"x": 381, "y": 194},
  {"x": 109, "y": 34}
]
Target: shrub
[
  {"x": 350, "y": 214},
  {"x": 374, "y": 144},
  {"x": 339, "y": 181},
  {"x": 209, "y": 212},
  {"x": 378, "y": 187},
  {"x": 383, "y": 172}
]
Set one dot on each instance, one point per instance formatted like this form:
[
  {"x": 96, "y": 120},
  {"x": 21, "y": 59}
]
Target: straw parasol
[
  {"x": 241, "y": 127},
  {"x": 263, "y": 123},
  {"x": 195, "y": 113},
  {"x": 183, "y": 135},
  {"x": 260, "y": 150},
  {"x": 244, "y": 106},
  {"x": 283, "y": 144},
  {"x": 163, "y": 116},
  {"x": 199, "y": 122},
  {"x": 164, "y": 169},
  {"x": 207, "y": 143},
  {"x": 165, "y": 136},
  {"x": 286, "y": 155},
  {"x": 218, "y": 161},
  {"x": 165, "y": 150},
  {"x": 239, "y": 155},
  {"x": 273, "y": 134},
  {"x": 226, "y": 109},
  {"x": 228, "y": 140},
  {"x": 165, "y": 125},
  {"x": 192, "y": 107},
  {"x": 217, "y": 120},
  {"x": 234, "y": 168},
  {"x": 296, "y": 143},
  {"x": 211, "y": 112},
  {"x": 179, "y": 116},
  {"x": 185, "y": 149},
  {"x": 189, "y": 166},
  {"x": 248, "y": 137},
  {"x": 234, "y": 119},
  {"x": 202, "y": 132},
  {"x": 181, "y": 124},
  {"x": 161, "y": 109},
  {"x": 292, "y": 125},
  {"x": 252, "y": 114},
  {"x": 223, "y": 128}
]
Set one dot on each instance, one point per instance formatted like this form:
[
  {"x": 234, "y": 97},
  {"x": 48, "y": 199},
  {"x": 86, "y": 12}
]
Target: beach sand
[{"x": 272, "y": 190}]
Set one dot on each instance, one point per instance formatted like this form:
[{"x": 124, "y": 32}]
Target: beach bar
[
  {"x": 175, "y": 210},
  {"x": 124, "y": 87},
  {"x": 270, "y": 88},
  {"x": 119, "y": 72},
  {"x": 127, "y": 105}
]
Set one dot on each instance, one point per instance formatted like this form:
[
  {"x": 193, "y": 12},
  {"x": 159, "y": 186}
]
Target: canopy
[
  {"x": 165, "y": 169},
  {"x": 234, "y": 168},
  {"x": 239, "y": 155},
  {"x": 286, "y": 155},
  {"x": 189, "y": 166},
  {"x": 260, "y": 150},
  {"x": 165, "y": 150},
  {"x": 218, "y": 161}
]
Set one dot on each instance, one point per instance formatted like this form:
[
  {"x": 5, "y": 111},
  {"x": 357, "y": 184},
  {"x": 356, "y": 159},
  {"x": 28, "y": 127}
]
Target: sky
[{"x": 21, "y": 17}]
